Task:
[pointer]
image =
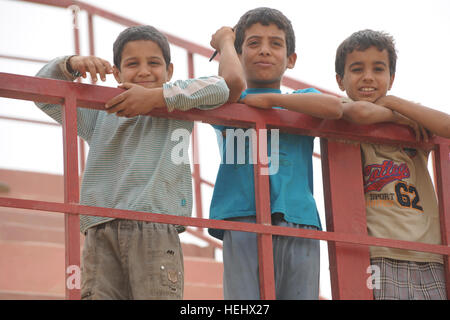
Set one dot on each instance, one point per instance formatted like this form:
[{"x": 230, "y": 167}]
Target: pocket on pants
[
  {"x": 165, "y": 262},
  {"x": 171, "y": 278}
]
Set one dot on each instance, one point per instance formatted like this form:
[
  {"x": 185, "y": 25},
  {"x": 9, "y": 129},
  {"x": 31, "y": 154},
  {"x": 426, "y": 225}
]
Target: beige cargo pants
[{"x": 126, "y": 259}]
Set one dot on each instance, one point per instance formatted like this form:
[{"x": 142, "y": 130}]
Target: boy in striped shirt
[{"x": 129, "y": 166}]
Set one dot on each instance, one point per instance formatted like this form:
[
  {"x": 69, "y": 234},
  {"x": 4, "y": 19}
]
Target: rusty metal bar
[
  {"x": 221, "y": 224},
  {"x": 71, "y": 192},
  {"x": 95, "y": 97},
  {"x": 263, "y": 215},
  {"x": 190, "y": 60},
  {"x": 196, "y": 173},
  {"x": 442, "y": 165},
  {"x": 47, "y": 123},
  {"x": 307, "y": 126},
  {"x": 55, "y": 91},
  {"x": 195, "y": 153},
  {"x": 342, "y": 181},
  {"x": 26, "y": 59}
]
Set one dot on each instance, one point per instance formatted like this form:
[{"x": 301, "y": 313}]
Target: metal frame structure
[
  {"x": 341, "y": 167},
  {"x": 341, "y": 161},
  {"x": 191, "y": 49}
]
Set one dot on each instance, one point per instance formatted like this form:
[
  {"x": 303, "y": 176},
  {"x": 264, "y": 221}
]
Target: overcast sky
[{"x": 421, "y": 30}]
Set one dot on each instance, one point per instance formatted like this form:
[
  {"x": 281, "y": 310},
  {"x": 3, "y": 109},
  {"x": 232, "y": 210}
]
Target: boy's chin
[
  {"x": 372, "y": 100},
  {"x": 367, "y": 99},
  {"x": 149, "y": 85}
]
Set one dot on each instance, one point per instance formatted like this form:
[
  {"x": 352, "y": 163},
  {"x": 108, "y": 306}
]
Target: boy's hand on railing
[
  {"x": 392, "y": 102},
  {"x": 420, "y": 132},
  {"x": 136, "y": 100},
  {"x": 92, "y": 65}
]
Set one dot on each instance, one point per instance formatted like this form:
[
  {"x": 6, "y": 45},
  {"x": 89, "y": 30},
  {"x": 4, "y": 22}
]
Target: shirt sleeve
[
  {"x": 201, "y": 93},
  {"x": 86, "y": 118},
  {"x": 307, "y": 90}
]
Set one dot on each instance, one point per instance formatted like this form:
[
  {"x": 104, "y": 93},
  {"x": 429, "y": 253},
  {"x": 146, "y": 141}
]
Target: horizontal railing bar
[
  {"x": 93, "y": 96},
  {"x": 47, "y": 123},
  {"x": 26, "y": 59},
  {"x": 220, "y": 224}
]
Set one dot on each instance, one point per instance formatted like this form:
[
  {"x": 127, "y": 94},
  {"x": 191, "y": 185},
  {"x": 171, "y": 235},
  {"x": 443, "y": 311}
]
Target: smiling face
[
  {"x": 264, "y": 56},
  {"x": 366, "y": 75},
  {"x": 143, "y": 63}
]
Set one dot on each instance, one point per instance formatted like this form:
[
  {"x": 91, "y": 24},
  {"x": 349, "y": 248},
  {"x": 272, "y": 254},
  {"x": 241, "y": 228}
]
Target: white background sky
[{"x": 421, "y": 30}]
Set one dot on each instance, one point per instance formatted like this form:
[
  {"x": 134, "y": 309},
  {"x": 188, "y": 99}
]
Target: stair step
[
  {"x": 31, "y": 217},
  {"x": 33, "y": 185},
  {"x": 36, "y": 270},
  {"x": 16, "y": 231},
  {"x": 32, "y": 267},
  {"x": 19, "y": 295},
  {"x": 26, "y": 225},
  {"x": 203, "y": 270}
]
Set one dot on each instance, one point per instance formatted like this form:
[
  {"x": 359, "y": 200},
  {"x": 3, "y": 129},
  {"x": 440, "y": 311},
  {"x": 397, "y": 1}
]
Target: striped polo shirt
[{"x": 129, "y": 165}]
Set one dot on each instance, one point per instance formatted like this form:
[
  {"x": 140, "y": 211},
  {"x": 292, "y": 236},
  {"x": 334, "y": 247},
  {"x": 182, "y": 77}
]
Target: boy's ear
[
  {"x": 169, "y": 72},
  {"x": 340, "y": 82},
  {"x": 291, "y": 61},
  {"x": 116, "y": 73}
]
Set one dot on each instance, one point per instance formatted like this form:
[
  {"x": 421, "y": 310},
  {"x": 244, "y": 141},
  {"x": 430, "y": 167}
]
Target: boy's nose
[
  {"x": 368, "y": 76},
  {"x": 144, "y": 71},
  {"x": 264, "y": 50}
]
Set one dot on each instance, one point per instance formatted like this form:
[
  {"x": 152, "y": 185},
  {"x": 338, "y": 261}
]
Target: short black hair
[
  {"x": 265, "y": 16},
  {"x": 362, "y": 40},
  {"x": 135, "y": 33}
]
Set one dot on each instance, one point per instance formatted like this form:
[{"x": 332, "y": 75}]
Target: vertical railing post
[
  {"x": 263, "y": 215},
  {"x": 195, "y": 153},
  {"x": 76, "y": 40},
  {"x": 346, "y": 213},
  {"x": 191, "y": 71},
  {"x": 442, "y": 165},
  {"x": 71, "y": 195},
  {"x": 196, "y": 174}
]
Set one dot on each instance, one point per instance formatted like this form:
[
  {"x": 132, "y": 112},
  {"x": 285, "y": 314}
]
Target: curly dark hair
[
  {"x": 135, "y": 33},
  {"x": 265, "y": 16},
  {"x": 361, "y": 40}
]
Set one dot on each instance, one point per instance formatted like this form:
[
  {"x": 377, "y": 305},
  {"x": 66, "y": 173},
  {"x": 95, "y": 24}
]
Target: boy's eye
[
  {"x": 356, "y": 70},
  {"x": 379, "y": 69}
]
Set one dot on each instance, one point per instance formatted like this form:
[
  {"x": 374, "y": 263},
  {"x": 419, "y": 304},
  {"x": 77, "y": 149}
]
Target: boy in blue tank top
[{"x": 265, "y": 45}]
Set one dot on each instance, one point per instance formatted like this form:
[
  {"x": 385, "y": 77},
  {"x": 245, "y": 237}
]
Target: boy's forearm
[
  {"x": 436, "y": 121},
  {"x": 231, "y": 70},
  {"x": 363, "y": 112},
  {"x": 314, "y": 104}
]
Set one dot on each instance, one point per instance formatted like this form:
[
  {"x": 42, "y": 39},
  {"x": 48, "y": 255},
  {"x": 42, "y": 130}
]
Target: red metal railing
[
  {"x": 348, "y": 241},
  {"x": 191, "y": 49},
  {"x": 341, "y": 161}
]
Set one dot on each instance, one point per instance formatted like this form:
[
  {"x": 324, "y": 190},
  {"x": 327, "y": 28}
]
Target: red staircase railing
[
  {"x": 341, "y": 161},
  {"x": 191, "y": 49},
  {"x": 348, "y": 241}
]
